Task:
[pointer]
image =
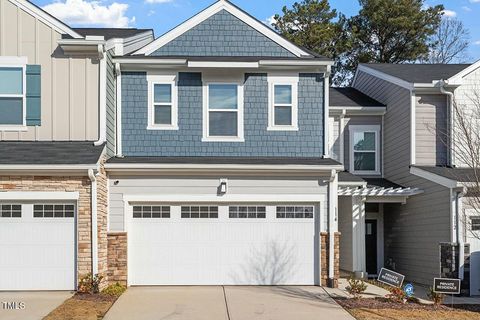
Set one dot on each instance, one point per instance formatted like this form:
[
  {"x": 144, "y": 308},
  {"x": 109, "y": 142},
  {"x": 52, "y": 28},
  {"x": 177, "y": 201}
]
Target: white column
[{"x": 358, "y": 235}]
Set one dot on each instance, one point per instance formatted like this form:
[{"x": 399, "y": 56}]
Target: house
[
  {"x": 416, "y": 162},
  {"x": 54, "y": 109},
  {"x": 221, "y": 174}
]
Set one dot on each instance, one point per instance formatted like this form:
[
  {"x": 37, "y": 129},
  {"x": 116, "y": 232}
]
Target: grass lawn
[
  {"x": 379, "y": 309},
  {"x": 83, "y": 307}
]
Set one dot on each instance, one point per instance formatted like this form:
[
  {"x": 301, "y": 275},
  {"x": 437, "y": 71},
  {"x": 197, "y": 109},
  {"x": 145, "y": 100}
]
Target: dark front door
[{"x": 371, "y": 246}]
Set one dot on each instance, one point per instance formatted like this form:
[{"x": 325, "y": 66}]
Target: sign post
[{"x": 391, "y": 278}]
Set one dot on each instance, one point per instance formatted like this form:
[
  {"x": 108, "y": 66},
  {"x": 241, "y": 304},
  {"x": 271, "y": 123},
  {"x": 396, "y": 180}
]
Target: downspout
[
  {"x": 459, "y": 235},
  {"x": 93, "y": 179},
  {"x": 102, "y": 135},
  {"x": 451, "y": 145},
  {"x": 332, "y": 221}
]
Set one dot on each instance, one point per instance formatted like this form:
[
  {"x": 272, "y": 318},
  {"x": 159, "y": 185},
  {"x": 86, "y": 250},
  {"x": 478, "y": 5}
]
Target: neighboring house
[
  {"x": 53, "y": 114},
  {"x": 411, "y": 144},
  {"x": 220, "y": 175}
]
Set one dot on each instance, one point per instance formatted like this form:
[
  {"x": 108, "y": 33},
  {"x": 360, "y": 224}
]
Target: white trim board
[
  {"x": 458, "y": 78},
  {"x": 45, "y": 17},
  {"x": 448, "y": 183},
  {"x": 212, "y": 10},
  {"x": 33, "y": 195},
  {"x": 234, "y": 198}
]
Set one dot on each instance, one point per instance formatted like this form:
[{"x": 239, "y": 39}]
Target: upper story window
[
  {"x": 12, "y": 93},
  {"x": 162, "y": 102},
  {"x": 223, "y": 112},
  {"x": 283, "y": 103},
  {"x": 365, "y": 150}
]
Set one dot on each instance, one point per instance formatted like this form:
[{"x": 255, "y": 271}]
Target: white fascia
[
  {"x": 458, "y": 78},
  {"x": 212, "y": 10},
  {"x": 448, "y": 183},
  {"x": 358, "y": 111},
  {"x": 46, "y": 18},
  {"x": 381, "y": 75}
]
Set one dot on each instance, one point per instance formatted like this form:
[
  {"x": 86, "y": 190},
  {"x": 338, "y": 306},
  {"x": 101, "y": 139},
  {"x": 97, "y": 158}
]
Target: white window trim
[
  {"x": 16, "y": 62},
  {"x": 282, "y": 80},
  {"x": 206, "y": 113},
  {"x": 162, "y": 79},
  {"x": 360, "y": 128}
]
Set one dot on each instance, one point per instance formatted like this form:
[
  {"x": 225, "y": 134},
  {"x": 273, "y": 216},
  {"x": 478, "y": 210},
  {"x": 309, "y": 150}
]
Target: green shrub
[
  {"x": 90, "y": 283},
  {"x": 114, "y": 290},
  {"x": 356, "y": 287},
  {"x": 437, "y": 298},
  {"x": 397, "y": 295}
]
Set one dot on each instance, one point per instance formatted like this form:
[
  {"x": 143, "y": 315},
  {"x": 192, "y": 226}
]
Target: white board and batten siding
[
  {"x": 223, "y": 250},
  {"x": 69, "y": 96}
]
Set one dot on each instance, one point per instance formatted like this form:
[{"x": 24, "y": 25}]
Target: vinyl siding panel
[
  {"x": 334, "y": 136},
  {"x": 396, "y": 133},
  {"x": 111, "y": 104},
  {"x": 345, "y": 227},
  {"x": 69, "y": 97},
  {"x": 431, "y": 129},
  {"x": 175, "y": 185}
]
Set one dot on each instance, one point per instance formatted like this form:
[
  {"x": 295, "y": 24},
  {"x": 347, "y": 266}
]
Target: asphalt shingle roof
[
  {"x": 418, "y": 73},
  {"x": 45, "y": 153},
  {"x": 457, "y": 174},
  {"x": 226, "y": 160},
  {"x": 110, "y": 33},
  {"x": 351, "y": 97}
]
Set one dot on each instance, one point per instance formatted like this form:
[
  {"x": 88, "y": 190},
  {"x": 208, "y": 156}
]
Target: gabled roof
[
  {"x": 235, "y": 11},
  {"x": 417, "y": 73},
  {"x": 46, "y": 18},
  {"x": 110, "y": 33},
  {"x": 351, "y": 97},
  {"x": 456, "y": 174}
]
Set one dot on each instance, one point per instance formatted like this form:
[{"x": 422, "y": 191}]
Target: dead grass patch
[{"x": 83, "y": 307}]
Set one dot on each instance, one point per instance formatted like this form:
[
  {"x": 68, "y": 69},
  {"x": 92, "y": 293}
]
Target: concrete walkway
[
  {"x": 341, "y": 292},
  {"x": 36, "y": 305},
  {"x": 226, "y": 303}
]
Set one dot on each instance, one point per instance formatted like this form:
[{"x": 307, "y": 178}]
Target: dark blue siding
[{"x": 138, "y": 141}]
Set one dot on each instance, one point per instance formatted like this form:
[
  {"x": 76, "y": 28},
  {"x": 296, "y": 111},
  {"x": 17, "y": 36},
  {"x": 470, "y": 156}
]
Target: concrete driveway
[
  {"x": 30, "y": 305},
  {"x": 226, "y": 303}
]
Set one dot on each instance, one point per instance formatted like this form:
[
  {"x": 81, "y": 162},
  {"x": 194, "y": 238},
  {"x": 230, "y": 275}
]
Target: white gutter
[
  {"x": 94, "y": 215},
  {"x": 332, "y": 225},
  {"x": 168, "y": 62},
  {"x": 450, "y": 96},
  {"x": 413, "y": 127},
  {"x": 102, "y": 135}
]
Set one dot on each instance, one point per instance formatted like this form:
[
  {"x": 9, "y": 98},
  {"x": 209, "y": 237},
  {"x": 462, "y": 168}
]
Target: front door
[{"x": 371, "y": 246}]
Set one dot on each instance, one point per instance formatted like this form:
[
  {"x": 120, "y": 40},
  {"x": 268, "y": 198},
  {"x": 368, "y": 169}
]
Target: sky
[{"x": 163, "y": 15}]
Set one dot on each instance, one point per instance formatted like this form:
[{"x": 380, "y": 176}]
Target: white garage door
[
  {"x": 37, "y": 246},
  {"x": 222, "y": 245},
  {"x": 473, "y": 237}
]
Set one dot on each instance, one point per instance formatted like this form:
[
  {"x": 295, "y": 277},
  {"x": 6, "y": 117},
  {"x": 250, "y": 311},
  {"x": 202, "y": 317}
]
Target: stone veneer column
[
  {"x": 324, "y": 258},
  {"x": 117, "y": 258}
]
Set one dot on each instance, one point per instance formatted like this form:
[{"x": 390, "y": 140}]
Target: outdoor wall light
[{"x": 223, "y": 186}]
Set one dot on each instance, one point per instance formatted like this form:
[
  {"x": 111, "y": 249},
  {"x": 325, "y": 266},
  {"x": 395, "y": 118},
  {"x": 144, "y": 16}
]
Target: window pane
[
  {"x": 11, "y": 111},
  {"x": 11, "y": 81},
  {"x": 163, "y": 114},
  {"x": 223, "y": 96},
  {"x": 283, "y": 116},
  {"x": 223, "y": 124},
  {"x": 364, "y": 161},
  {"x": 364, "y": 141},
  {"x": 162, "y": 93},
  {"x": 283, "y": 94}
]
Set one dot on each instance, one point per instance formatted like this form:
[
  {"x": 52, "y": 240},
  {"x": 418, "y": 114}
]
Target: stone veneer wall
[
  {"x": 117, "y": 258},
  {"x": 324, "y": 258},
  {"x": 82, "y": 185}
]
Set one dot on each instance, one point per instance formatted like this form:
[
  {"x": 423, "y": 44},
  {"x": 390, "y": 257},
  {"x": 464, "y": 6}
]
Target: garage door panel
[{"x": 223, "y": 250}]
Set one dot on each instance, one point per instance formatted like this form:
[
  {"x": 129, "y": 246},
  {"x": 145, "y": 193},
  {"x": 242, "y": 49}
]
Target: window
[
  {"x": 223, "y": 112},
  {"x": 244, "y": 212},
  {"x": 365, "y": 149},
  {"x": 53, "y": 211},
  {"x": 12, "y": 93},
  {"x": 162, "y": 102},
  {"x": 283, "y": 103},
  {"x": 10, "y": 211},
  {"x": 295, "y": 212},
  {"x": 149, "y": 212},
  {"x": 475, "y": 221},
  {"x": 203, "y": 212}
]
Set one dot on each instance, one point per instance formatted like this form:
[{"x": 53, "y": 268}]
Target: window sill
[
  {"x": 13, "y": 128},
  {"x": 166, "y": 128},
  {"x": 280, "y": 128},
  {"x": 223, "y": 139}
]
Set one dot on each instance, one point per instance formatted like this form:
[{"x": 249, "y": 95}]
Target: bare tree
[{"x": 450, "y": 43}]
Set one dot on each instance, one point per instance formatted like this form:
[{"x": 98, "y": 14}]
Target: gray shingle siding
[
  {"x": 222, "y": 35},
  {"x": 111, "y": 104},
  {"x": 138, "y": 141}
]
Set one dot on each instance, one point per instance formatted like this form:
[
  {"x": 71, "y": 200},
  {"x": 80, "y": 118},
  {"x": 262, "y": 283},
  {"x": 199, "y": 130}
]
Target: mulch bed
[
  {"x": 383, "y": 303},
  {"x": 83, "y": 307}
]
